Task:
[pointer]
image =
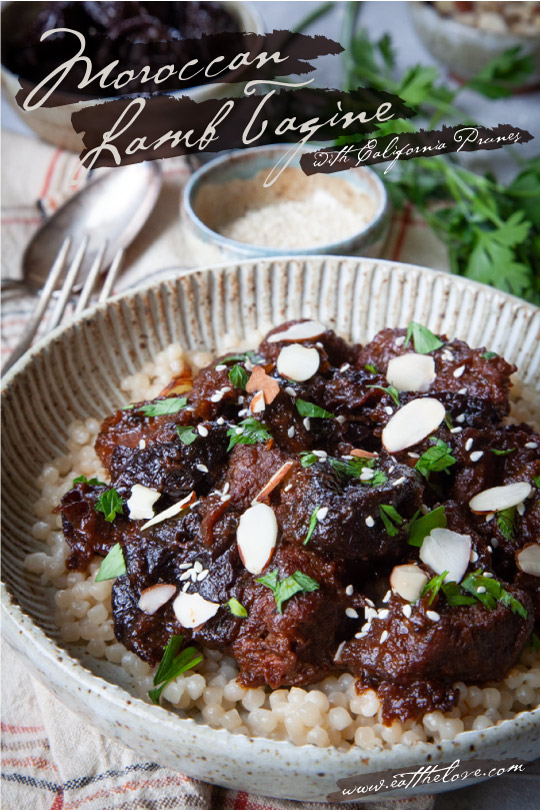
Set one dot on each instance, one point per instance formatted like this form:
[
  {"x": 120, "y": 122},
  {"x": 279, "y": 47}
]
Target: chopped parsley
[
  {"x": 506, "y": 519},
  {"x": 113, "y": 565},
  {"x": 391, "y": 390},
  {"x": 186, "y": 434},
  {"x": 253, "y": 357},
  {"x": 163, "y": 407},
  {"x": 239, "y": 377},
  {"x": 455, "y": 596},
  {"x": 423, "y": 339},
  {"x": 307, "y": 459},
  {"x": 237, "y": 608},
  {"x": 433, "y": 587},
  {"x": 248, "y": 431},
  {"x": 93, "y": 482},
  {"x": 489, "y": 355},
  {"x": 437, "y": 458},
  {"x": 494, "y": 592},
  {"x": 173, "y": 664},
  {"x": 502, "y": 452},
  {"x": 391, "y": 519},
  {"x": 310, "y": 409},
  {"x": 536, "y": 481},
  {"x": 110, "y": 503},
  {"x": 371, "y": 368},
  {"x": 448, "y": 421},
  {"x": 420, "y": 527},
  {"x": 355, "y": 467},
  {"x": 291, "y": 585},
  {"x": 312, "y": 524}
]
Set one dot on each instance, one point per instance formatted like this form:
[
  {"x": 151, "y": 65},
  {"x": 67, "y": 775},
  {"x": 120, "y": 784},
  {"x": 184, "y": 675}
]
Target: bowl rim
[
  {"x": 29, "y": 640},
  {"x": 505, "y": 38},
  {"x": 200, "y": 177}
]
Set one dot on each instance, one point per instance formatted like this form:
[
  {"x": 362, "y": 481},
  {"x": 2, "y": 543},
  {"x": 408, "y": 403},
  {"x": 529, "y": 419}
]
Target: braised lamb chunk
[
  {"x": 334, "y": 350},
  {"x": 249, "y": 470},
  {"x": 214, "y": 394}
]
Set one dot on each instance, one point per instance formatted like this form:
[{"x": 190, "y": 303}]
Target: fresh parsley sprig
[
  {"x": 284, "y": 589},
  {"x": 173, "y": 664},
  {"x": 248, "y": 431},
  {"x": 239, "y": 377},
  {"x": 391, "y": 518},
  {"x": 114, "y": 565},
  {"x": 312, "y": 524},
  {"x": 433, "y": 587},
  {"x": 436, "y": 459},
  {"x": 236, "y": 608},
  {"x": 163, "y": 407},
  {"x": 489, "y": 591},
  {"x": 305, "y": 408},
  {"x": 110, "y": 503},
  {"x": 424, "y": 341},
  {"x": 420, "y": 527},
  {"x": 93, "y": 482},
  {"x": 392, "y": 392},
  {"x": 186, "y": 434}
]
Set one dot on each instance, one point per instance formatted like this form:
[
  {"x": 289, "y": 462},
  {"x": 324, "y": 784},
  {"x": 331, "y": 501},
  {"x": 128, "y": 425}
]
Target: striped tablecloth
[{"x": 53, "y": 760}]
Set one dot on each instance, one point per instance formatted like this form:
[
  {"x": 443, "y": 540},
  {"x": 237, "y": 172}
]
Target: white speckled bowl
[{"x": 74, "y": 373}]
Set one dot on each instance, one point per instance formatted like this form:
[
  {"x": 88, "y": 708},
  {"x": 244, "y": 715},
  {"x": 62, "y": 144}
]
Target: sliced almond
[
  {"x": 412, "y": 423},
  {"x": 257, "y": 403},
  {"x": 528, "y": 559},
  {"x": 307, "y": 330},
  {"x": 155, "y": 596},
  {"x": 363, "y": 453},
  {"x": 298, "y": 363},
  {"x": 445, "y": 550},
  {"x": 411, "y": 372},
  {"x": 180, "y": 383},
  {"x": 173, "y": 510},
  {"x": 192, "y": 610},
  {"x": 256, "y": 537},
  {"x": 272, "y": 483},
  {"x": 141, "y": 502},
  {"x": 261, "y": 381},
  {"x": 408, "y": 581},
  {"x": 497, "y": 498}
]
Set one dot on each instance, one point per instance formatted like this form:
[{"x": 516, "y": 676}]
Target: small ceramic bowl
[
  {"x": 53, "y": 124},
  {"x": 465, "y": 49},
  {"x": 232, "y": 185}
]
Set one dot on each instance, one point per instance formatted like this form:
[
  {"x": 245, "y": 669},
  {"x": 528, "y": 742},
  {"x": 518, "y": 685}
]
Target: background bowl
[
  {"x": 465, "y": 49},
  {"x": 53, "y": 124},
  {"x": 206, "y": 199},
  {"x": 70, "y": 375}
]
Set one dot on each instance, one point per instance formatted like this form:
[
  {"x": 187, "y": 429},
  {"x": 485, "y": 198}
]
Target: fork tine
[
  {"x": 67, "y": 286},
  {"x": 90, "y": 281},
  {"x": 114, "y": 269}
]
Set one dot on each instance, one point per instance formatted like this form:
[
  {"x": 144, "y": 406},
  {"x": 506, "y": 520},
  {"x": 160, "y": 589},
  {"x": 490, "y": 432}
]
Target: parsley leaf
[
  {"x": 433, "y": 587},
  {"x": 437, "y": 458},
  {"x": 502, "y": 452},
  {"x": 186, "y": 434},
  {"x": 253, "y": 357},
  {"x": 494, "y": 592},
  {"x": 239, "y": 377},
  {"x": 424, "y": 340},
  {"x": 248, "y": 431},
  {"x": 312, "y": 524},
  {"x": 455, "y": 596},
  {"x": 489, "y": 355},
  {"x": 391, "y": 519},
  {"x": 93, "y": 482},
  {"x": 536, "y": 481},
  {"x": 506, "y": 519},
  {"x": 286, "y": 588},
  {"x": 307, "y": 459},
  {"x": 164, "y": 407},
  {"x": 113, "y": 565},
  {"x": 391, "y": 391},
  {"x": 356, "y": 466},
  {"x": 310, "y": 409},
  {"x": 422, "y": 526},
  {"x": 371, "y": 368},
  {"x": 110, "y": 503},
  {"x": 236, "y": 608},
  {"x": 172, "y": 665}
]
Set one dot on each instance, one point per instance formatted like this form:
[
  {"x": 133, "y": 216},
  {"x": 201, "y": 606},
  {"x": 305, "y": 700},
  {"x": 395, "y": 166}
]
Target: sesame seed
[
  {"x": 202, "y": 467},
  {"x": 364, "y": 629},
  {"x": 384, "y": 636},
  {"x": 399, "y": 341},
  {"x": 469, "y": 444},
  {"x": 345, "y": 366},
  {"x": 322, "y": 513},
  {"x": 399, "y": 481},
  {"x": 185, "y": 565},
  {"x": 370, "y": 522},
  {"x": 481, "y": 589},
  {"x": 291, "y": 432},
  {"x": 185, "y": 575},
  {"x": 432, "y": 615},
  {"x": 389, "y": 410},
  {"x": 460, "y": 418},
  {"x": 477, "y": 455},
  {"x": 487, "y": 574},
  {"x": 202, "y": 431},
  {"x": 490, "y": 549},
  {"x": 320, "y": 453},
  {"x": 413, "y": 455},
  {"x": 225, "y": 498},
  {"x": 240, "y": 400},
  {"x": 237, "y": 430},
  {"x": 370, "y": 603},
  {"x": 217, "y": 397},
  {"x": 383, "y": 613},
  {"x": 462, "y": 391},
  {"x": 337, "y": 656},
  {"x": 290, "y": 391},
  {"x": 340, "y": 420},
  {"x": 185, "y": 587},
  {"x": 197, "y": 566},
  {"x": 351, "y": 613},
  {"x": 307, "y": 423},
  {"x": 531, "y": 445},
  {"x": 202, "y": 575},
  {"x": 220, "y": 420},
  {"x": 142, "y": 444},
  {"x": 406, "y": 610},
  {"x": 391, "y": 468},
  {"x": 386, "y": 597},
  {"x": 287, "y": 488},
  {"x": 361, "y": 635},
  {"x": 366, "y": 474},
  {"x": 490, "y": 516},
  {"x": 349, "y": 590},
  {"x": 221, "y": 367},
  {"x": 456, "y": 430},
  {"x": 319, "y": 344},
  {"x": 226, "y": 488},
  {"x": 193, "y": 574},
  {"x": 474, "y": 556},
  {"x": 447, "y": 354},
  {"x": 459, "y": 371},
  {"x": 520, "y": 508}
]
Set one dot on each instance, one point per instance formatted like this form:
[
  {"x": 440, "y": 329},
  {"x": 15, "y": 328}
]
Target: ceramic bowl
[
  {"x": 208, "y": 199},
  {"x": 53, "y": 124},
  {"x": 74, "y": 373},
  {"x": 465, "y": 49}
]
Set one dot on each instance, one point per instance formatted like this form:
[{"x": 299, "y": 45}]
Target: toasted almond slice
[
  {"x": 528, "y": 559},
  {"x": 256, "y": 537},
  {"x": 155, "y": 596},
  {"x": 497, "y": 498},
  {"x": 299, "y": 331},
  {"x": 363, "y": 453},
  {"x": 180, "y": 383},
  {"x": 173, "y": 510},
  {"x": 408, "y": 581},
  {"x": 141, "y": 502},
  {"x": 298, "y": 363},
  {"x": 261, "y": 381},
  {"x": 411, "y": 372},
  {"x": 192, "y": 610},
  {"x": 412, "y": 423},
  {"x": 257, "y": 403},
  {"x": 445, "y": 550},
  {"x": 272, "y": 483}
]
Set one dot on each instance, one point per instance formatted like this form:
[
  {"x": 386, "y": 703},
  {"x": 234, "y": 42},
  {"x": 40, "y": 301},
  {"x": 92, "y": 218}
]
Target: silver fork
[{"x": 66, "y": 292}]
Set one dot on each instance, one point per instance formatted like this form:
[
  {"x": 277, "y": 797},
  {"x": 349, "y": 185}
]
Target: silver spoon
[{"x": 112, "y": 209}]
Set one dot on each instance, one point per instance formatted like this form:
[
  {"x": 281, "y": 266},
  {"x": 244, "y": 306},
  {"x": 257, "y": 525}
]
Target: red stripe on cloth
[
  {"x": 58, "y": 803},
  {"x": 128, "y": 786},
  {"x": 405, "y": 222},
  {"x": 21, "y": 221},
  {"x": 35, "y": 762},
  {"x": 50, "y": 171},
  {"x": 241, "y": 801},
  {"x": 21, "y": 729}
]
